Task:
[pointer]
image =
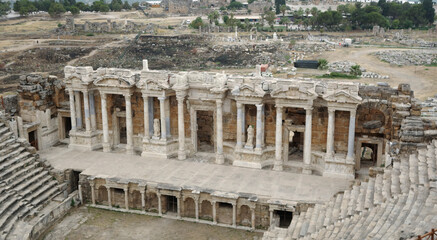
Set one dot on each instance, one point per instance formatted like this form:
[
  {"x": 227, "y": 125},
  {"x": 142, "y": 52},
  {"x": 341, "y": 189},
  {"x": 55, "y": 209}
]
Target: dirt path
[
  {"x": 422, "y": 79},
  {"x": 93, "y": 52}
]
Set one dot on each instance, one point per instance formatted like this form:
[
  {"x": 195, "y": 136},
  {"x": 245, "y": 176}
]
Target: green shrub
[
  {"x": 356, "y": 70},
  {"x": 323, "y": 64}
]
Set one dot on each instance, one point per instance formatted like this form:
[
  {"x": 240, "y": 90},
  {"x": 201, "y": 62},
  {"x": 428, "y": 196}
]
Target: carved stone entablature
[
  {"x": 341, "y": 96},
  {"x": 220, "y": 84},
  {"x": 154, "y": 80},
  {"x": 298, "y": 91},
  {"x": 248, "y": 90},
  {"x": 78, "y": 75},
  {"x": 114, "y": 81}
]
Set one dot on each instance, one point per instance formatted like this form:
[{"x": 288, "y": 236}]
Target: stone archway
[
  {"x": 189, "y": 208},
  {"x": 152, "y": 202},
  {"x": 102, "y": 195},
  {"x": 206, "y": 210},
  {"x": 245, "y": 216}
]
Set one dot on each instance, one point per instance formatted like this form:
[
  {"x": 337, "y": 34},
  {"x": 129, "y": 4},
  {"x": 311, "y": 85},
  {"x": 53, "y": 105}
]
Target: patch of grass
[
  {"x": 337, "y": 75},
  {"x": 431, "y": 65}
]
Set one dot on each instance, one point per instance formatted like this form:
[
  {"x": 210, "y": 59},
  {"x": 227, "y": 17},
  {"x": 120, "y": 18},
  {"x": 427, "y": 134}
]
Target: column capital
[
  {"x": 142, "y": 191},
  {"x": 92, "y": 184},
  {"x": 309, "y": 109},
  {"x": 279, "y": 107},
  {"x": 331, "y": 110},
  {"x": 219, "y": 102},
  {"x": 127, "y": 96},
  {"x": 125, "y": 188},
  {"x": 181, "y": 94},
  {"x": 353, "y": 113},
  {"x": 108, "y": 187},
  {"x": 239, "y": 105},
  {"x": 85, "y": 91},
  {"x": 259, "y": 106},
  {"x": 162, "y": 98}
]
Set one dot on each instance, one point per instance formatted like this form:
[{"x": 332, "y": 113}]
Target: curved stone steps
[
  {"x": 29, "y": 188},
  {"x": 16, "y": 168},
  {"x": 23, "y": 175},
  {"x": 12, "y": 161}
]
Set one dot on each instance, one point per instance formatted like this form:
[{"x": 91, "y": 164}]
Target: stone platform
[{"x": 263, "y": 183}]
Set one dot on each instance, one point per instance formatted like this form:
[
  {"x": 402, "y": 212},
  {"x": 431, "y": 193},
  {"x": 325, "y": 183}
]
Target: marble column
[
  {"x": 214, "y": 213},
  {"x": 86, "y": 107},
  {"x": 72, "y": 110},
  {"x": 330, "y": 133},
  {"x": 239, "y": 125},
  {"x": 196, "y": 202},
  {"x": 78, "y": 109},
  {"x": 271, "y": 217},
  {"x": 92, "y": 111},
  {"x": 159, "y": 204},
  {"x": 351, "y": 137},
  {"x": 143, "y": 199},
  {"x": 167, "y": 116},
  {"x": 259, "y": 128},
  {"x": 106, "y": 144},
  {"x": 179, "y": 206},
  {"x": 162, "y": 116},
  {"x": 146, "y": 117},
  {"x": 80, "y": 193},
  {"x": 108, "y": 189},
  {"x": 181, "y": 128},
  {"x": 234, "y": 215},
  {"x": 252, "y": 210},
  {"x": 220, "y": 159},
  {"x": 307, "y": 141},
  {"x": 278, "y": 140},
  {"x": 129, "y": 125},
  {"x": 93, "y": 193},
  {"x": 126, "y": 197}
]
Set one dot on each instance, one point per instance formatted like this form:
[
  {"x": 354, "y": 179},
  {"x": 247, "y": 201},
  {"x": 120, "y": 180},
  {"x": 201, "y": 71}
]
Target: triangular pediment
[
  {"x": 248, "y": 90},
  {"x": 112, "y": 81},
  {"x": 342, "y": 97},
  {"x": 292, "y": 92}
]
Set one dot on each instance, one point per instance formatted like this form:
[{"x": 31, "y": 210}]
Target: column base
[
  {"x": 130, "y": 150},
  {"x": 182, "y": 155},
  {"x": 106, "y": 147},
  {"x": 278, "y": 166},
  {"x": 220, "y": 158},
  {"x": 307, "y": 169},
  {"x": 350, "y": 158}
]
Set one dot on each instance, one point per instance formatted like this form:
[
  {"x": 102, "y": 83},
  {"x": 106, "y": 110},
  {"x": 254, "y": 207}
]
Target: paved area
[{"x": 263, "y": 183}]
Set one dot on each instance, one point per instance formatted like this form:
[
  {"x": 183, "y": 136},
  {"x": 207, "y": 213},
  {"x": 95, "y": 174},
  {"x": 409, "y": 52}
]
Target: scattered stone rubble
[
  {"x": 345, "y": 67},
  {"x": 406, "y": 58},
  {"x": 312, "y": 47}
]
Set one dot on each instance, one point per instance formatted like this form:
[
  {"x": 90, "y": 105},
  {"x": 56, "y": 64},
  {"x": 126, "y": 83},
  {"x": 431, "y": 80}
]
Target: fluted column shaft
[
  {"x": 219, "y": 155},
  {"x": 278, "y": 140},
  {"x": 351, "y": 136},
  {"x": 162, "y": 113},
  {"x": 129, "y": 125},
  {"x": 106, "y": 144},
  {"x": 72, "y": 110},
  {"x": 181, "y": 128}
]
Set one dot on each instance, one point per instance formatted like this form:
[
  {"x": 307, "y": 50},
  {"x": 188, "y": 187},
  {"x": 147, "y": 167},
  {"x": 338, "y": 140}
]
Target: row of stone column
[
  {"x": 331, "y": 129},
  {"x": 76, "y": 110},
  {"x": 260, "y": 126},
  {"x": 158, "y": 194}
]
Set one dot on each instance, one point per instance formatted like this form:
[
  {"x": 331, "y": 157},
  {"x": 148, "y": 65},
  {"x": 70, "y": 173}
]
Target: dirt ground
[
  {"x": 421, "y": 78},
  {"x": 98, "y": 224}
]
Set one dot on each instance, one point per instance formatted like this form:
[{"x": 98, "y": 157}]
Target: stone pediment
[
  {"x": 73, "y": 78},
  {"x": 342, "y": 96},
  {"x": 293, "y": 92},
  {"x": 157, "y": 81},
  {"x": 248, "y": 90},
  {"x": 113, "y": 81}
]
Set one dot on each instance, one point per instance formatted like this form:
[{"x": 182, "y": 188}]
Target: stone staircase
[
  {"x": 398, "y": 202},
  {"x": 25, "y": 186}
]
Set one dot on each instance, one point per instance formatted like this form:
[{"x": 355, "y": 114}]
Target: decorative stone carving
[
  {"x": 250, "y": 134},
  {"x": 290, "y": 136},
  {"x": 156, "y": 129}
]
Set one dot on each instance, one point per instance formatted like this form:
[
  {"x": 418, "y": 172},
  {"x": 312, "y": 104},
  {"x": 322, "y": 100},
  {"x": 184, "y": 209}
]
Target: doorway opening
[
  {"x": 295, "y": 146},
  {"x": 205, "y": 131},
  {"x": 284, "y": 218},
  {"x": 74, "y": 180},
  {"x": 33, "y": 139},
  {"x": 172, "y": 204},
  {"x": 123, "y": 131},
  {"x": 369, "y": 153},
  {"x": 67, "y": 126}
]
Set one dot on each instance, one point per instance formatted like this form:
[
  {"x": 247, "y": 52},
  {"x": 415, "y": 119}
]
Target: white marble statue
[
  {"x": 156, "y": 128},
  {"x": 290, "y": 136},
  {"x": 250, "y": 134}
]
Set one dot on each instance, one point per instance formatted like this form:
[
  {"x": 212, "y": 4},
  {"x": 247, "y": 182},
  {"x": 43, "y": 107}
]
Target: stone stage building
[{"x": 254, "y": 122}]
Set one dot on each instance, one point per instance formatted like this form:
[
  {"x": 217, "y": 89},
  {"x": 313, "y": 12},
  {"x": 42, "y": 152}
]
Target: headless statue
[
  {"x": 250, "y": 134},
  {"x": 156, "y": 128}
]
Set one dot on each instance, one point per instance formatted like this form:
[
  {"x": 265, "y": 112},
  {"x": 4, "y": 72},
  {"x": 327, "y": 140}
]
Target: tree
[
  {"x": 196, "y": 23},
  {"x": 56, "y": 9},
  {"x": 213, "y": 16},
  {"x": 116, "y": 5},
  {"x": 235, "y": 5},
  {"x": 74, "y": 10},
  {"x": 278, "y": 4},
  {"x": 429, "y": 11},
  {"x": 4, "y": 8},
  {"x": 126, "y": 5},
  {"x": 283, "y": 9},
  {"x": 100, "y": 6},
  {"x": 270, "y": 17},
  {"x": 24, "y": 7},
  {"x": 43, "y": 5},
  {"x": 82, "y": 6},
  {"x": 136, "y": 5}
]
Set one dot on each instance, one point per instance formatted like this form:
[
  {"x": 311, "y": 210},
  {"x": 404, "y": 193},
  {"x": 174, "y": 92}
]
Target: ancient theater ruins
[{"x": 293, "y": 158}]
